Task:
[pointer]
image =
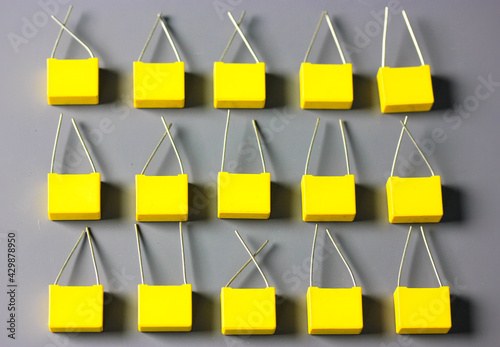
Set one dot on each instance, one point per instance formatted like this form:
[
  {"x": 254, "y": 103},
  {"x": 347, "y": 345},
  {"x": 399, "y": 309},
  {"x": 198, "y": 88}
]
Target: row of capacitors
[{"x": 246, "y": 196}]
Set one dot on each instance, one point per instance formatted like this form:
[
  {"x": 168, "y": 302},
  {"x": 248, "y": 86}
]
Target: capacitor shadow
[
  {"x": 461, "y": 315},
  {"x": 111, "y": 201},
  {"x": 108, "y": 86},
  {"x": 452, "y": 204},
  {"x": 275, "y": 91},
  {"x": 286, "y": 314},
  {"x": 365, "y": 203},
  {"x": 204, "y": 308},
  {"x": 114, "y": 313}
]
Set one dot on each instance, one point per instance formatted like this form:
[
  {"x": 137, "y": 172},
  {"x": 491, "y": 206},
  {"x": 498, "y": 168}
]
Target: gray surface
[{"x": 459, "y": 41}]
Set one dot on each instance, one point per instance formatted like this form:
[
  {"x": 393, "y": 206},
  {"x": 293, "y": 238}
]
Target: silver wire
[
  {"x": 154, "y": 152},
  {"x": 150, "y": 36},
  {"x": 164, "y": 26},
  {"x": 69, "y": 257},
  {"x": 55, "y": 143},
  {"x": 83, "y": 144},
  {"x": 418, "y": 147},
  {"x": 253, "y": 258},
  {"x": 232, "y": 37},
  {"x": 237, "y": 27},
  {"x": 182, "y": 253},
  {"x": 312, "y": 256},
  {"x": 260, "y": 145},
  {"x": 137, "y": 236},
  {"x": 314, "y": 35},
  {"x": 246, "y": 264},
  {"x": 60, "y": 32},
  {"x": 397, "y": 148},
  {"x": 404, "y": 255},
  {"x": 225, "y": 141},
  {"x": 413, "y": 38},
  {"x": 345, "y": 146},
  {"x": 329, "y": 22},
  {"x": 343, "y": 258},
  {"x": 384, "y": 36},
  {"x": 93, "y": 256},
  {"x": 430, "y": 256},
  {"x": 311, "y": 146},
  {"x": 173, "y": 145},
  {"x": 74, "y": 36}
]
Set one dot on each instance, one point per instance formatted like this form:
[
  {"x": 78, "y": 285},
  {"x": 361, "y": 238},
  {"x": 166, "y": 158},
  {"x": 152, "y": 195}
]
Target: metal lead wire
[
  {"x": 55, "y": 143},
  {"x": 232, "y": 37},
  {"x": 225, "y": 141},
  {"x": 173, "y": 144},
  {"x": 343, "y": 258},
  {"x": 246, "y": 264},
  {"x": 93, "y": 256},
  {"x": 182, "y": 253},
  {"x": 418, "y": 147},
  {"x": 314, "y": 35},
  {"x": 150, "y": 36},
  {"x": 74, "y": 36},
  {"x": 154, "y": 152},
  {"x": 413, "y": 38},
  {"x": 69, "y": 257},
  {"x": 60, "y": 32},
  {"x": 345, "y": 146},
  {"x": 164, "y": 26},
  {"x": 312, "y": 256},
  {"x": 137, "y": 236},
  {"x": 237, "y": 27},
  {"x": 311, "y": 146},
  {"x": 83, "y": 144},
  {"x": 397, "y": 148},
  {"x": 430, "y": 256},
  {"x": 404, "y": 255},
  {"x": 260, "y": 145},
  {"x": 329, "y": 22},
  {"x": 253, "y": 258},
  {"x": 384, "y": 36}
]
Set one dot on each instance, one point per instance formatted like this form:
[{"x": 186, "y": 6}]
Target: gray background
[{"x": 459, "y": 41}]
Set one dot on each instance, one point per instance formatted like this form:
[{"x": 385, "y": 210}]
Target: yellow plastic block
[
  {"x": 414, "y": 199},
  {"x": 165, "y": 308},
  {"x": 73, "y": 81},
  {"x": 161, "y": 198},
  {"x": 74, "y": 197},
  {"x": 328, "y": 198},
  {"x": 75, "y": 309},
  {"x": 248, "y": 311},
  {"x": 159, "y": 85},
  {"x": 239, "y": 85},
  {"x": 326, "y": 86},
  {"x": 334, "y": 310},
  {"x": 422, "y": 310},
  {"x": 244, "y": 196},
  {"x": 405, "y": 89}
]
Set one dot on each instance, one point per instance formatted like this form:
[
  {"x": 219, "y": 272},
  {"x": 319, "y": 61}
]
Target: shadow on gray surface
[
  {"x": 203, "y": 312},
  {"x": 275, "y": 91},
  {"x": 441, "y": 87},
  {"x": 108, "y": 86},
  {"x": 372, "y": 315},
  {"x": 452, "y": 205},
  {"x": 199, "y": 202},
  {"x": 281, "y": 200},
  {"x": 195, "y": 90},
  {"x": 365, "y": 203},
  {"x": 364, "y": 91},
  {"x": 461, "y": 315},
  {"x": 286, "y": 312},
  {"x": 114, "y": 313},
  {"x": 111, "y": 201}
]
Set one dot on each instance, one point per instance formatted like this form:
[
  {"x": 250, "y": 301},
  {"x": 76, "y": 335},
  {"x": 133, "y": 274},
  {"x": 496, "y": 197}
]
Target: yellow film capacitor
[
  {"x": 333, "y": 310},
  {"x": 422, "y": 310},
  {"x": 404, "y": 89},
  {"x": 73, "y": 196},
  {"x": 159, "y": 85},
  {"x": 328, "y": 198},
  {"x": 239, "y": 85},
  {"x": 248, "y": 311},
  {"x": 75, "y": 309},
  {"x": 243, "y": 196},
  {"x": 414, "y": 199},
  {"x": 75, "y": 81},
  {"x": 162, "y": 198},
  {"x": 325, "y": 86},
  {"x": 164, "y": 308}
]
